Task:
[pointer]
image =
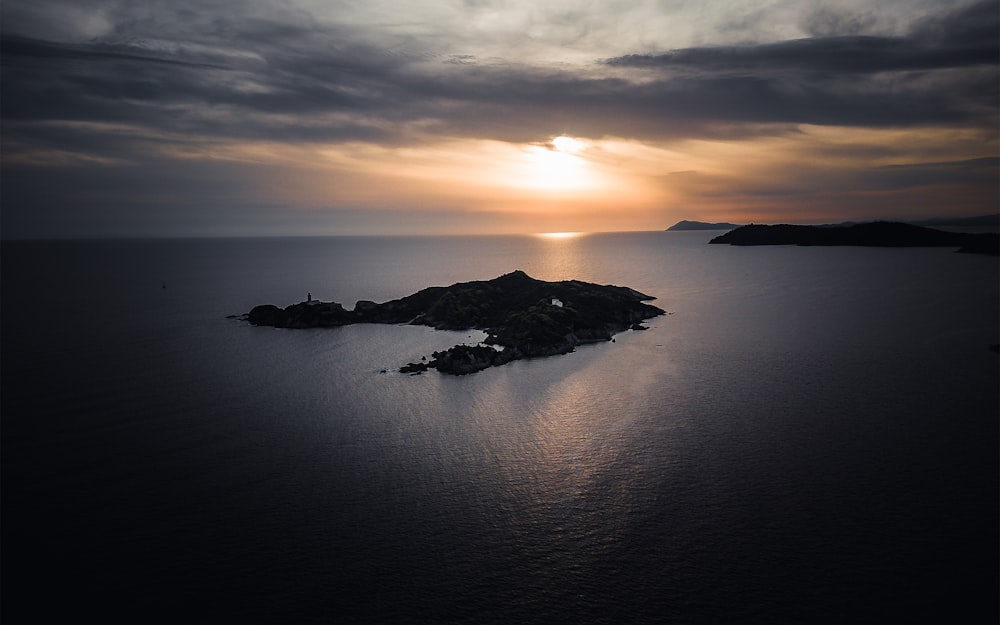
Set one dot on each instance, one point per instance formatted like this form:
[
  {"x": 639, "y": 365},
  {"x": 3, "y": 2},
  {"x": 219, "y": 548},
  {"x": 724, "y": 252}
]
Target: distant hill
[
  {"x": 979, "y": 222},
  {"x": 700, "y": 225},
  {"x": 874, "y": 234},
  {"x": 961, "y": 222}
]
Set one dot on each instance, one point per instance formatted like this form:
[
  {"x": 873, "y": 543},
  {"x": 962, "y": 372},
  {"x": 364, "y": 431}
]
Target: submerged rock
[
  {"x": 414, "y": 368},
  {"x": 523, "y": 317}
]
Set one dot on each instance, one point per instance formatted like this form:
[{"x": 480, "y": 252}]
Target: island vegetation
[{"x": 522, "y": 317}]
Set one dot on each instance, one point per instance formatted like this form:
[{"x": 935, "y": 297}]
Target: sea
[{"x": 808, "y": 435}]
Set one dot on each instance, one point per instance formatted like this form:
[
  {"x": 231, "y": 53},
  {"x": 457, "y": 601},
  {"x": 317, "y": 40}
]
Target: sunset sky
[{"x": 299, "y": 117}]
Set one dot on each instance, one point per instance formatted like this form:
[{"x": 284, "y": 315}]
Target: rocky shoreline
[{"x": 523, "y": 318}]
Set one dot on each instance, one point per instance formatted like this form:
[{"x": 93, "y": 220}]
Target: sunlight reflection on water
[{"x": 806, "y": 422}]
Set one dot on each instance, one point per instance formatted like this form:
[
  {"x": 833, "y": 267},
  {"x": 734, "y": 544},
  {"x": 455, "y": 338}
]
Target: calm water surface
[{"x": 809, "y": 436}]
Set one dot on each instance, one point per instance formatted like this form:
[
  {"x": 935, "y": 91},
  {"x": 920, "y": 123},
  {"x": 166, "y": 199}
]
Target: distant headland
[
  {"x": 684, "y": 224},
  {"x": 523, "y": 317},
  {"x": 981, "y": 223},
  {"x": 874, "y": 234}
]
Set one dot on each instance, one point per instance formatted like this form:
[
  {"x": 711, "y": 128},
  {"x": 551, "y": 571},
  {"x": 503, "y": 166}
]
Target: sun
[
  {"x": 557, "y": 165},
  {"x": 562, "y": 143}
]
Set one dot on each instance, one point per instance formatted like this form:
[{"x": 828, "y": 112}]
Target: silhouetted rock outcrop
[
  {"x": 981, "y": 243},
  {"x": 874, "y": 234},
  {"x": 312, "y": 314},
  {"x": 522, "y": 317}
]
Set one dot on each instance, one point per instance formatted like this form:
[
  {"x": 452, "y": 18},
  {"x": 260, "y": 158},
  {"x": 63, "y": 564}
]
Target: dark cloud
[
  {"x": 973, "y": 26},
  {"x": 827, "y": 22},
  {"x": 969, "y": 36},
  {"x": 285, "y": 79},
  {"x": 857, "y": 54},
  {"x": 943, "y": 72},
  {"x": 14, "y": 46}
]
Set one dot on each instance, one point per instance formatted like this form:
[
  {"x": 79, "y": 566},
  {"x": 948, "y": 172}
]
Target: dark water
[{"x": 810, "y": 436}]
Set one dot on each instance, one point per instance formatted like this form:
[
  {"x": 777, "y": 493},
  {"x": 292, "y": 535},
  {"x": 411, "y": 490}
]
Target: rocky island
[
  {"x": 877, "y": 234},
  {"x": 522, "y": 317}
]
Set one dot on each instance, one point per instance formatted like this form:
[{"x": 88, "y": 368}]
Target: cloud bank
[{"x": 185, "y": 118}]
